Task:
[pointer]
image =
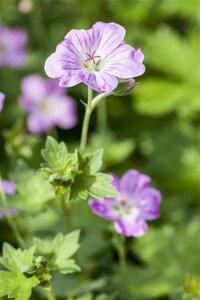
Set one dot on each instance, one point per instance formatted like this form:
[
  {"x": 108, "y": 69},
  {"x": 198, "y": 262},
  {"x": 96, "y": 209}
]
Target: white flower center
[
  {"x": 123, "y": 207},
  {"x": 92, "y": 62}
]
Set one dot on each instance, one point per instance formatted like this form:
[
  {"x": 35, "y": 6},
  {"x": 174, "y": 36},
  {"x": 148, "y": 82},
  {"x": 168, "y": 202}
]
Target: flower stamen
[{"x": 91, "y": 57}]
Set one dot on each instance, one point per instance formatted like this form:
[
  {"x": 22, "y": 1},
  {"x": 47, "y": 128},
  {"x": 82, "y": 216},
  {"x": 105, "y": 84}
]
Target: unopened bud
[{"x": 124, "y": 87}]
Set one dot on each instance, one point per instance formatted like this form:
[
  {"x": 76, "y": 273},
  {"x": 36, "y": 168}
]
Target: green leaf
[
  {"x": 68, "y": 246},
  {"x": 102, "y": 187},
  {"x": 55, "y": 154},
  {"x": 59, "y": 250},
  {"x": 95, "y": 161},
  {"x": 15, "y": 285},
  {"x": 15, "y": 259},
  {"x": 33, "y": 191}
]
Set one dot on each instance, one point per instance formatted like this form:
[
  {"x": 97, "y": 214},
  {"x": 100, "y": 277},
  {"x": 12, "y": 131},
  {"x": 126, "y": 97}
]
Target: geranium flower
[
  {"x": 46, "y": 104},
  {"x": 96, "y": 57},
  {"x": 12, "y": 47},
  {"x": 2, "y": 98},
  {"x": 137, "y": 203},
  {"x": 8, "y": 186}
]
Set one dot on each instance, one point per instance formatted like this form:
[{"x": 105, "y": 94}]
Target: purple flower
[
  {"x": 8, "y": 186},
  {"x": 12, "y": 47},
  {"x": 137, "y": 203},
  {"x": 97, "y": 57},
  {"x": 46, "y": 104},
  {"x": 11, "y": 212},
  {"x": 2, "y": 98}
]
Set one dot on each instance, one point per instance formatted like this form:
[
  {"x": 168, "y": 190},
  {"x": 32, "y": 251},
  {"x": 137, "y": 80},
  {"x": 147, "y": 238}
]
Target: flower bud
[{"x": 124, "y": 87}]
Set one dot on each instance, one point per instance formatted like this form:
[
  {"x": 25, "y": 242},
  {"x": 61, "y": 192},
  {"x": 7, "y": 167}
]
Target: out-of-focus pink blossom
[
  {"x": 46, "y": 104},
  {"x": 12, "y": 47}
]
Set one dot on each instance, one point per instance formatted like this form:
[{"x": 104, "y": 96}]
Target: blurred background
[{"x": 155, "y": 129}]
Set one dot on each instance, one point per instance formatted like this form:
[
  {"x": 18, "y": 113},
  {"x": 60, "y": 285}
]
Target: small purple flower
[
  {"x": 2, "y": 98},
  {"x": 12, "y": 47},
  {"x": 137, "y": 203},
  {"x": 12, "y": 212},
  {"x": 96, "y": 57},
  {"x": 46, "y": 104},
  {"x": 8, "y": 186}
]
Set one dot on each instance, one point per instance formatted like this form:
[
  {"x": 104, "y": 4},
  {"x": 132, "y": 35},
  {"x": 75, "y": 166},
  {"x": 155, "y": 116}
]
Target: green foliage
[
  {"x": 13, "y": 283},
  {"x": 33, "y": 191},
  {"x": 161, "y": 95},
  {"x": 58, "y": 251},
  {"x": 34, "y": 266},
  {"x": 74, "y": 174},
  {"x": 169, "y": 255},
  {"x": 157, "y": 133},
  {"x": 17, "y": 286},
  {"x": 115, "y": 150}
]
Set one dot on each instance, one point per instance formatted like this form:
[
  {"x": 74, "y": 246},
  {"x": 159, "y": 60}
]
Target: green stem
[
  {"x": 122, "y": 259},
  {"x": 13, "y": 226},
  {"x": 98, "y": 99},
  {"x": 67, "y": 211},
  {"x": 86, "y": 120},
  {"x": 119, "y": 243},
  {"x": 50, "y": 295},
  {"x": 102, "y": 116}
]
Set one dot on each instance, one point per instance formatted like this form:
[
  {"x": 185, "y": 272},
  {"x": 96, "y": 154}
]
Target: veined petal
[
  {"x": 108, "y": 36},
  {"x": 99, "y": 81},
  {"x": 124, "y": 62},
  {"x": 78, "y": 41},
  {"x": 130, "y": 226},
  {"x": 69, "y": 79},
  {"x": 56, "y": 67}
]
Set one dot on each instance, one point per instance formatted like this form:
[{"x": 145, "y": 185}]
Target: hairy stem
[{"x": 86, "y": 120}]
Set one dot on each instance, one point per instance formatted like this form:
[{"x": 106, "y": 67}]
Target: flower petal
[
  {"x": 38, "y": 123},
  {"x": 56, "y": 67},
  {"x": 104, "y": 208},
  {"x": 149, "y": 203},
  {"x": 128, "y": 183},
  {"x": 99, "y": 81},
  {"x": 130, "y": 226},
  {"x": 64, "y": 113},
  {"x": 33, "y": 90},
  {"x": 8, "y": 186},
  {"x": 109, "y": 36},
  {"x": 124, "y": 62},
  {"x": 115, "y": 182},
  {"x": 2, "y": 98}
]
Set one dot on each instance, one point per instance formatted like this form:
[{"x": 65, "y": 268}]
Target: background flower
[
  {"x": 137, "y": 203},
  {"x": 97, "y": 57},
  {"x": 46, "y": 105},
  {"x": 12, "y": 47},
  {"x": 8, "y": 186},
  {"x": 2, "y": 98}
]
